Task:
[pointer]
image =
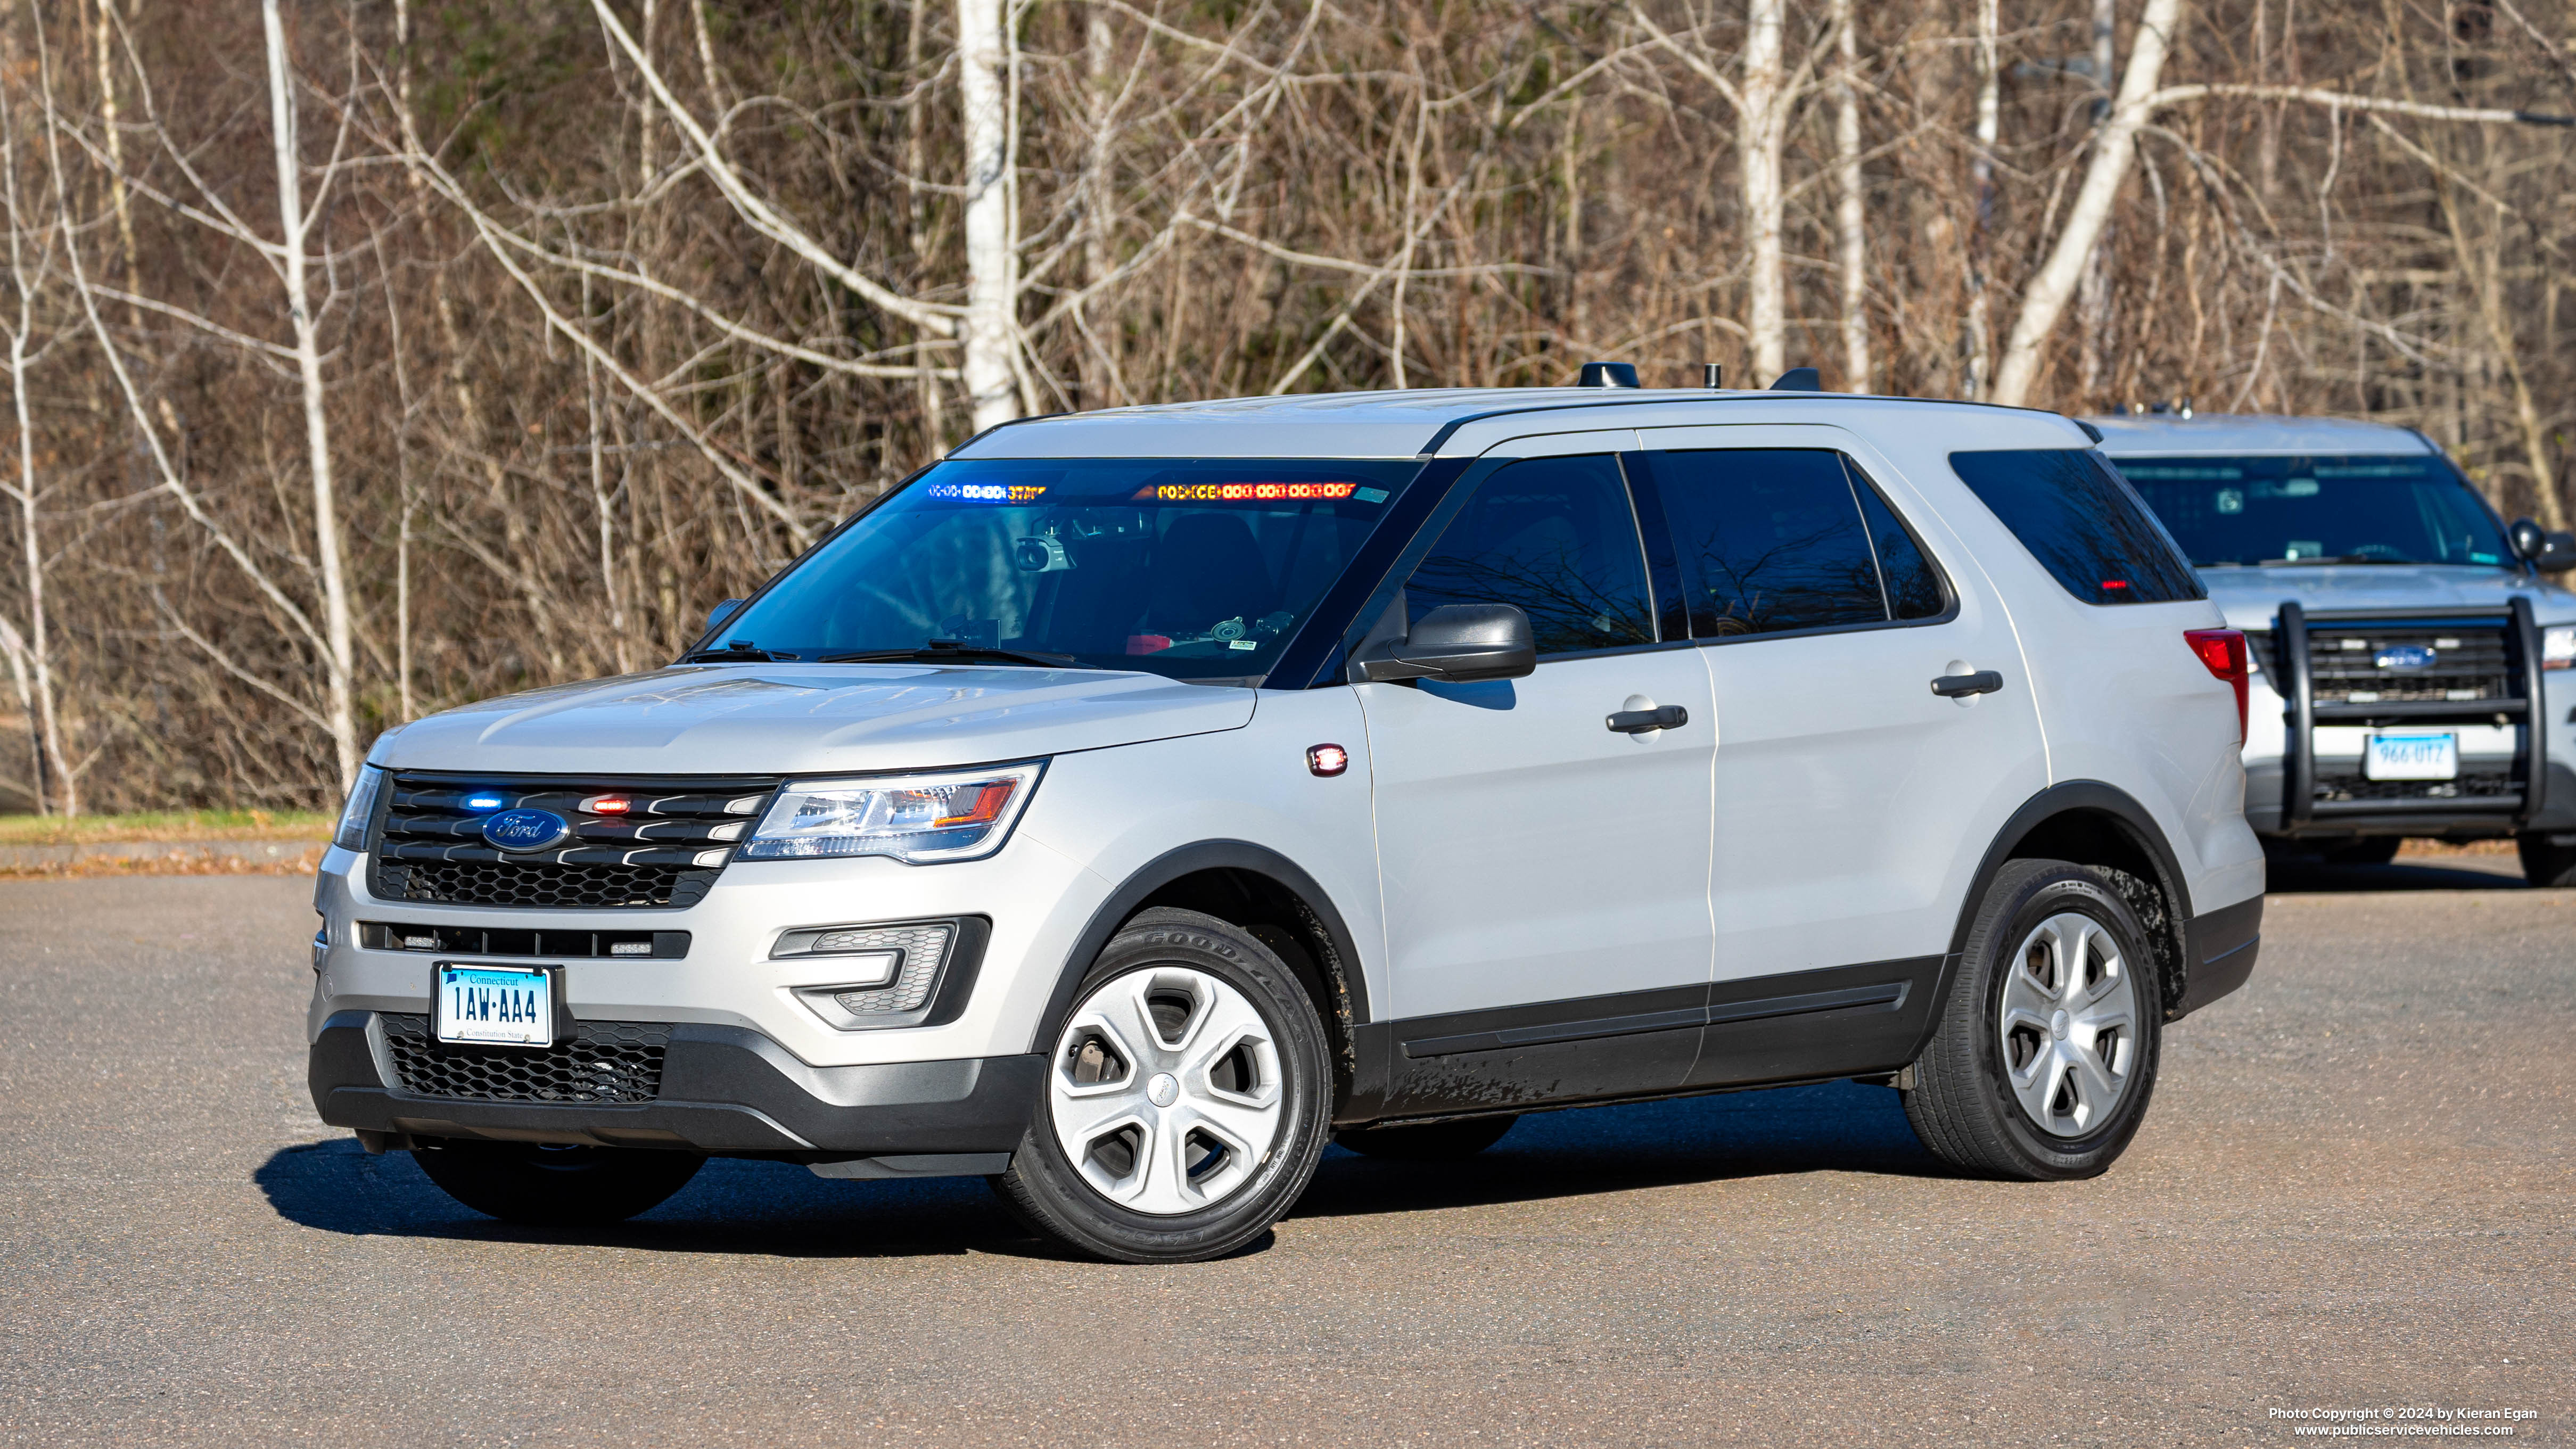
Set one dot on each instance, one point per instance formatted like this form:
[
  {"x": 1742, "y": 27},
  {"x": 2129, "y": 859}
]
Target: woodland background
[{"x": 370, "y": 356}]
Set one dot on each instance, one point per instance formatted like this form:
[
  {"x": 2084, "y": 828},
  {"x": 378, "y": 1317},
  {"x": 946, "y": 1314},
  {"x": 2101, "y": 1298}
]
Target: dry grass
[
  {"x": 188, "y": 863},
  {"x": 178, "y": 825},
  {"x": 2457, "y": 847}
]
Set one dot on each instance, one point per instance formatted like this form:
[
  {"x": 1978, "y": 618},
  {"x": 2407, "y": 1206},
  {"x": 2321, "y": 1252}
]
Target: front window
[
  {"x": 1193, "y": 569},
  {"x": 2339, "y": 510}
]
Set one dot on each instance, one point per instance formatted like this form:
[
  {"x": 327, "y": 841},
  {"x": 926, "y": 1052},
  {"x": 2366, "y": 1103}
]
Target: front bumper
[{"x": 723, "y": 1090}]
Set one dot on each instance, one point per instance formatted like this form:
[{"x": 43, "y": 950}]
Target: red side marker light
[
  {"x": 2222, "y": 652},
  {"x": 1328, "y": 760}
]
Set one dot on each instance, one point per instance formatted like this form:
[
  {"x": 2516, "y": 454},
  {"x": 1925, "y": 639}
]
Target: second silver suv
[{"x": 2410, "y": 652}]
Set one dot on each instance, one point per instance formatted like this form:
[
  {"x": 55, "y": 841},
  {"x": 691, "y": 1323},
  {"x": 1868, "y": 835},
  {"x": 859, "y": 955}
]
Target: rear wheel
[
  {"x": 556, "y": 1187},
  {"x": 1428, "y": 1141},
  {"x": 1186, "y": 1101},
  {"x": 2545, "y": 864},
  {"x": 2046, "y": 1051}
]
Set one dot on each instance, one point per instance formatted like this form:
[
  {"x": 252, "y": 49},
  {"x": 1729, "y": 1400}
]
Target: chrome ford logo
[
  {"x": 525, "y": 829},
  {"x": 2406, "y": 656}
]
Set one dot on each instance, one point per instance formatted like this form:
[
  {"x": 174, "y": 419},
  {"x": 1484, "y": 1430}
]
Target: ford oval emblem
[
  {"x": 2406, "y": 656},
  {"x": 525, "y": 829}
]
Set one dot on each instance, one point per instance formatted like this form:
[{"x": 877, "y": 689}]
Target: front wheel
[
  {"x": 556, "y": 1187},
  {"x": 2045, "y": 1054},
  {"x": 1187, "y": 1098},
  {"x": 2545, "y": 863}
]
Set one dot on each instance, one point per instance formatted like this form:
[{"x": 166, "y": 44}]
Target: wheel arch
[
  {"x": 2092, "y": 823},
  {"x": 1250, "y": 886}
]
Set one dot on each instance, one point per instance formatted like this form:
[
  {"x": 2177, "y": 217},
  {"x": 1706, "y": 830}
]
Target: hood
[
  {"x": 2252, "y": 596},
  {"x": 809, "y": 719}
]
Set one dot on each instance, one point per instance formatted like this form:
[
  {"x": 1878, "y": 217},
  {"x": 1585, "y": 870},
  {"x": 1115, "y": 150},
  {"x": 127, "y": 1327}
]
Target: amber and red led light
[
  {"x": 1328, "y": 760},
  {"x": 607, "y": 805}
]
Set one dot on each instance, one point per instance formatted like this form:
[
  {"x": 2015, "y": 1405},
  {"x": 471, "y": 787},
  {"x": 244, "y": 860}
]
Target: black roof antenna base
[
  {"x": 1607, "y": 374},
  {"x": 1799, "y": 379}
]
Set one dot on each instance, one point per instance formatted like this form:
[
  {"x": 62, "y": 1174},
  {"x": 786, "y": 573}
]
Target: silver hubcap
[
  {"x": 1165, "y": 1090},
  {"x": 2069, "y": 1024}
]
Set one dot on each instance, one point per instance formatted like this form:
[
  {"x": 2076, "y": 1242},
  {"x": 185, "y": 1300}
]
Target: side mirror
[
  {"x": 721, "y": 612},
  {"x": 1460, "y": 643},
  {"x": 2549, "y": 552}
]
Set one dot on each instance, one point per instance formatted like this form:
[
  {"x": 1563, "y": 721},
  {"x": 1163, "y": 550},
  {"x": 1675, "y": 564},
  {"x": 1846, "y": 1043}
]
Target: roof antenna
[
  {"x": 1607, "y": 374},
  {"x": 1799, "y": 379},
  {"x": 1712, "y": 375}
]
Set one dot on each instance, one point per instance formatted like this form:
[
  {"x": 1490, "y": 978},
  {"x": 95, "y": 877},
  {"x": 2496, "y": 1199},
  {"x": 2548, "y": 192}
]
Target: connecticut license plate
[
  {"x": 2412, "y": 757},
  {"x": 495, "y": 1005}
]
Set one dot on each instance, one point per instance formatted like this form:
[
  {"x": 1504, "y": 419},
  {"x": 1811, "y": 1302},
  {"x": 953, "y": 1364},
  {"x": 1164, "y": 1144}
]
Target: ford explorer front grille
[
  {"x": 628, "y": 843},
  {"x": 2411, "y": 663}
]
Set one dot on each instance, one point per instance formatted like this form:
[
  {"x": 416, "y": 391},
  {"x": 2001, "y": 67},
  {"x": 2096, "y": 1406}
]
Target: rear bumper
[
  {"x": 2223, "y": 944},
  {"x": 723, "y": 1090}
]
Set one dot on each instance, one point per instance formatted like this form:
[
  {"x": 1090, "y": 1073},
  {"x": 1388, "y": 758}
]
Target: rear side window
[
  {"x": 2082, "y": 523},
  {"x": 1555, "y": 536},
  {"x": 1913, "y": 589},
  {"x": 1779, "y": 539}
]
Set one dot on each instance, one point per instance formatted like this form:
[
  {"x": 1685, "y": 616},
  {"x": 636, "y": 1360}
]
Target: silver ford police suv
[
  {"x": 2405, "y": 641},
  {"x": 1132, "y": 803}
]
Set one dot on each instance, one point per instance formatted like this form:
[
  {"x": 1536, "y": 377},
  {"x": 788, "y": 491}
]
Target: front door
[
  {"x": 1852, "y": 801},
  {"x": 1545, "y": 874}
]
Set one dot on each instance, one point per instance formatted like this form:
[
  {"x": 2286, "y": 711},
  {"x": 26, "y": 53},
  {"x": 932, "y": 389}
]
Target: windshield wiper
[
  {"x": 738, "y": 651},
  {"x": 945, "y": 651},
  {"x": 2344, "y": 558}
]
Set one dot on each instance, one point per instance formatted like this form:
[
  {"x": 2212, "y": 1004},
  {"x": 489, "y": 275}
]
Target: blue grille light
[{"x": 483, "y": 802}]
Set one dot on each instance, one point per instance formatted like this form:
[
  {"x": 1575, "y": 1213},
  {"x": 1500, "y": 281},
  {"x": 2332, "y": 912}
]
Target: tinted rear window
[{"x": 2083, "y": 524}]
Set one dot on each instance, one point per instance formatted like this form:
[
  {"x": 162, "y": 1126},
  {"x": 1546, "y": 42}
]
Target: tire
[
  {"x": 556, "y": 1187},
  {"x": 2068, "y": 1112},
  {"x": 2369, "y": 850},
  {"x": 2544, "y": 864},
  {"x": 1187, "y": 1099},
  {"x": 1428, "y": 1141}
]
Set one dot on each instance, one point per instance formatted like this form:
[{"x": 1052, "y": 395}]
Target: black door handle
[
  {"x": 1638, "y": 721},
  {"x": 1952, "y": 686}
]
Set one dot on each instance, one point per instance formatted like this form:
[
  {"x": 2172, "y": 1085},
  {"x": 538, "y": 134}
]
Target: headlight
[
  {"x": 2558, "y": 647},
  {"x": 917, "y": 819},
  {"x": 354, "y": 817}
]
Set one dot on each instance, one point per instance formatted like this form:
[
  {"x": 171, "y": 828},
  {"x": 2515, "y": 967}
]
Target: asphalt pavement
[{"x": 2354, "y": 1190}]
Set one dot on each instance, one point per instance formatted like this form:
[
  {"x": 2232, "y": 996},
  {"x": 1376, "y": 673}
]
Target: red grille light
[{"x": 2223, "y": 651}]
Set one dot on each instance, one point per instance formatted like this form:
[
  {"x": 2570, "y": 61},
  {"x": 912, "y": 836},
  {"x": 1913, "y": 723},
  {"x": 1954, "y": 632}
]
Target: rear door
[
  {"x": 1546, "y": 875},
  {"x": 1827, "y": 601}
]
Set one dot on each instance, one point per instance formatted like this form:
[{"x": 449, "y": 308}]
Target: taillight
[{"x": 2223, "y": 650}]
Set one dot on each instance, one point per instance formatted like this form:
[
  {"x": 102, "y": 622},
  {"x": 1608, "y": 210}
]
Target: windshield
[
  {"x": 1197, "y": 570},
  {"x": 2363, "y": 510}
]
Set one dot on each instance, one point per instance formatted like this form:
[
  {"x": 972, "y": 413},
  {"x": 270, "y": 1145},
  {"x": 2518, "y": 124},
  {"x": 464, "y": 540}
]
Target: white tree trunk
[
  {"x": 1850, "y": 207},
  {"x": 1981, "y": 193},
  {"x": 54, "y": 761},
  {"x": 1764, "y": 116},
  {"x": 337, "y": 665},
  {"x": 982, "y": 55},
  {"x": 2094, "y": 292},
  {"x": 2114, "y": 151}
]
